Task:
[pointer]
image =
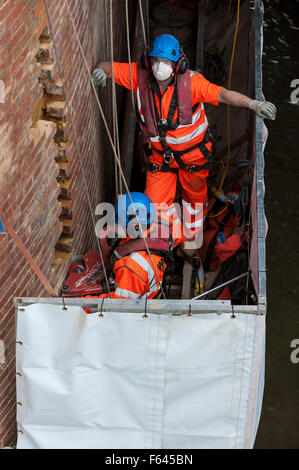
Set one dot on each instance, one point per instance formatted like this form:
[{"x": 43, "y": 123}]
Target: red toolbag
[{"x": 85, "y": 277}]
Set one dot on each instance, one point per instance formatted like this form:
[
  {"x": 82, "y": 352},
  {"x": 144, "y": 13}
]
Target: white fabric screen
[{"x": 123, "y": 381}]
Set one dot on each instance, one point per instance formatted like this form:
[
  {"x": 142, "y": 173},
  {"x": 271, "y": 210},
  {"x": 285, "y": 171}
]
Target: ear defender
[{"x": 182, "y": 64}]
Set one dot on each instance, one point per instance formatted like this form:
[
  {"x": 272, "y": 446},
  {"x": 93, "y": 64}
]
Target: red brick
[
  {"x": 15, "y": 14},
  {"x": 30, "y": 178}
]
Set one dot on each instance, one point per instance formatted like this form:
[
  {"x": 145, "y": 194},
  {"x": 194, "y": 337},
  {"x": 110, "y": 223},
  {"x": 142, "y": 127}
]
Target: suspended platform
[{"x": 159, "y": 374}]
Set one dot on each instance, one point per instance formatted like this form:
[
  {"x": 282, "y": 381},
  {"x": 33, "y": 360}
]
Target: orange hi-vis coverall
[
  {"x": 135, "y": 276},
  {"x": 161, "y": 186}
]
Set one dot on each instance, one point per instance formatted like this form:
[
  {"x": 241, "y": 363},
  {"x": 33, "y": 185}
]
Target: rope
[
  {"x": 142, "y": 24},
  {"x": 228, "y": 113},
  {"x": 76, "y": 142},
  {"x": 229, "y": 86},
  {"x": 113, "y": 146},
  {"x": 147, "y": 21},
  {"x": 118, "y": 182},
  {"x": 129, "y": 56}
]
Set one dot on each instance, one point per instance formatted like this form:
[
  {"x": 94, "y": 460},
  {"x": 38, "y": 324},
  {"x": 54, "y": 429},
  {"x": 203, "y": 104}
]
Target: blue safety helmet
[
  {"x": 165, "y": 46},
  {"x": 144, "y": 208}
]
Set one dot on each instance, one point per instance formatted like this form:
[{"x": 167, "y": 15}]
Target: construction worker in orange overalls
[
  {"x": 138, "y": 267},
  {"x": 170, "y": 100}
]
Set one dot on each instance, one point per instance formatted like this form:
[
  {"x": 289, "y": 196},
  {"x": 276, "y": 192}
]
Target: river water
[{"x": 279, "y": 425}]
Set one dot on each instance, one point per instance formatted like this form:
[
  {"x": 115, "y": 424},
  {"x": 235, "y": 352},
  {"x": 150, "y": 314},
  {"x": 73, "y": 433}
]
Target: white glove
[
  {"x": 99, "y": 77},
  {"x": 264, "y": 109}
]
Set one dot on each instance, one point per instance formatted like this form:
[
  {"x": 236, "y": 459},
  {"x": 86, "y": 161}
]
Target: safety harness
[
  {"x": 171, "y": 156},
  {"x": 158, "y": 243},
  {"x": 181, "y": 100}
]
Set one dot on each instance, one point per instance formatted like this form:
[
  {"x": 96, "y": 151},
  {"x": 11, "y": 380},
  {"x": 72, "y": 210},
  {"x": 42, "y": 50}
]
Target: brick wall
[{"x": 41, "y": 185}]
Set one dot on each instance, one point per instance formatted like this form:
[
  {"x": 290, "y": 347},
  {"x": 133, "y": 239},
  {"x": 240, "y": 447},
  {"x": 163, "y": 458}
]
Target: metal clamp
[{"x": 168, "y": 157}]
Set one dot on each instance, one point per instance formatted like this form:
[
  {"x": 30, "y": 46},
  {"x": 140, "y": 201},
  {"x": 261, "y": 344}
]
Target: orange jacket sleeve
[
  {"x": 204, "y": 91},
  {"x": 130, "y": 278},
  {"x": 122, "y": 74}
]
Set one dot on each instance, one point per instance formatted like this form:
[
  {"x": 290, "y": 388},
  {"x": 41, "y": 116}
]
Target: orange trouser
[{"x": 161, "y": 188}]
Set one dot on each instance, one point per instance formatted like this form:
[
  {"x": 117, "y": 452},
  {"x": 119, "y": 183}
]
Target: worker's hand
[
  {"x": 264, "y": 109},
  {"x": 99, "y": 77}
]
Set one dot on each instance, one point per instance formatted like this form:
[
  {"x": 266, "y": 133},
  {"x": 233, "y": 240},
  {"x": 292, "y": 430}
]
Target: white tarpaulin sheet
[{"x": 124, "y": 381}]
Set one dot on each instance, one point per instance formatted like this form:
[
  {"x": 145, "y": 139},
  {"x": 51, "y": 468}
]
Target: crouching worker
[{"x": 138, "y": 263}]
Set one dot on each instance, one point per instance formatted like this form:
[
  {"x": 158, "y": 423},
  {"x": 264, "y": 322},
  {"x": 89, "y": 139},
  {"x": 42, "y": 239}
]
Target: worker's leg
[
  {"x": 161, "y": 187},
  {"x": 194, "y": 203}
]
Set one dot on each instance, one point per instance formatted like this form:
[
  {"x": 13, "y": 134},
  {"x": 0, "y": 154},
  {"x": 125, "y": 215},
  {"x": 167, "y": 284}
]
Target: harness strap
[
  {"x": 164, "y": 168},
  {"x": 208, "y": 137},
  {"x": 191, "y": 168},
  {"x": 160, "y": 245}
]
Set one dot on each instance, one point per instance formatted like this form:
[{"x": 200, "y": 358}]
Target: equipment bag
[
  {"x": 234, "y": 258},
  {"x": 225, "y": 223}
]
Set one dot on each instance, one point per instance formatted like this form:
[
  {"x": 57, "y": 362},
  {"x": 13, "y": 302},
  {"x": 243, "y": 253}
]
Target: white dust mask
[{"x": 161, "y": 71}]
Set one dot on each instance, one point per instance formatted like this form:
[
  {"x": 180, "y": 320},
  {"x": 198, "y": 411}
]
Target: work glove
[
  {"x": 99, "y": 77},
  {"x": 264, "y": 109}
]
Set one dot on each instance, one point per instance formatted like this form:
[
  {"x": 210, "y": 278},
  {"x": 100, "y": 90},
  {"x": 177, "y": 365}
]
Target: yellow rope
[
  {"x": 228, "y": 116},
  {"x": 229, "y": 86}
]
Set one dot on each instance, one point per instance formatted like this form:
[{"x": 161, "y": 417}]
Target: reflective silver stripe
[
  {"x": 147, "y": 294},
  {"x": 147, "y": 268},
  {"x": 139, "y": 105},
  {"x": 196, "y": 224},
  {"x": 126, "y": 293},
  {"x": 190, "y": 209},
  {"x": 182, "y": 140}
]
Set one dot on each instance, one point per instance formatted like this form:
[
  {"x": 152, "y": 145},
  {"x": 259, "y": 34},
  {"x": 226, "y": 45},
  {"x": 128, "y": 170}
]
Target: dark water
[{"x": 279, "y": 426}]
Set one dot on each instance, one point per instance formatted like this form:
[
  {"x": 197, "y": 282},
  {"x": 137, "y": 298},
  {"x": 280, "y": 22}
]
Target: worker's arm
[
  {"x": 265, "y": 109},
  {"x": 102, "y": 70},
  {"x": 131, "y": 280},
  {"x": 106, "y": 66},
  {"x": 123, "y": 73},
  {"x": 234, "y": 98}
]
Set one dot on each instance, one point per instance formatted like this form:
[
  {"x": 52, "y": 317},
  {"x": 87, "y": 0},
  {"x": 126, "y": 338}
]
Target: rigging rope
[
  {"x": 129, "y": 55},
  {"x": 117, "y": 159},
  {"x": 76, "y": 142},
  {"x": 142, "y": 24},
  {"x": 229, "y": 87},
  {"x": 118, "y": 182},
  {"x": 147, "y": 21}
]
